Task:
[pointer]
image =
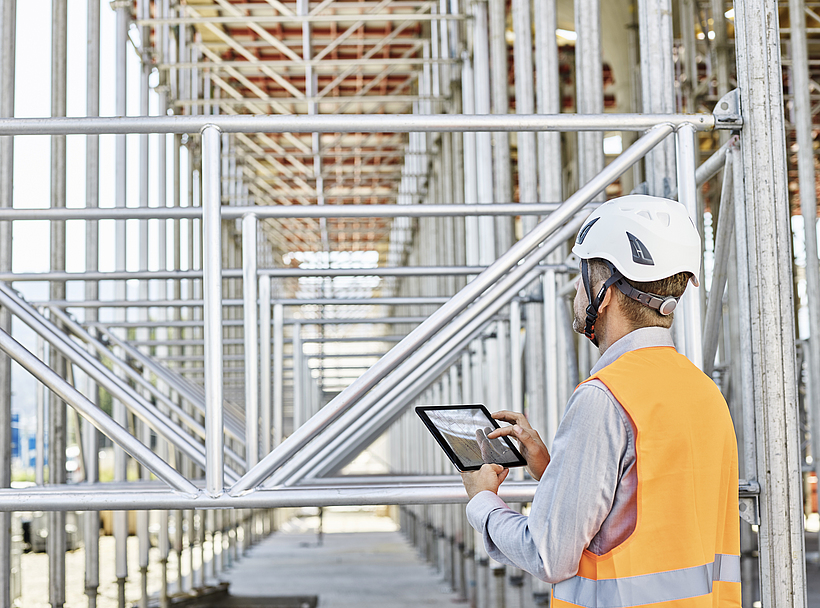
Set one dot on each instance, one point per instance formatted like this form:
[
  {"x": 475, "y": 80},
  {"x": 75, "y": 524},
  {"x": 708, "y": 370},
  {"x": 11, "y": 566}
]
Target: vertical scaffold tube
[
  {"x": 657, "y": 86},
  {"x": 212, "y": 280},
  {"x": 90, "y": 436},
  {"x": 808, "y": 202},
  {"x": 120, "y": 458},
  {"x": 542, "y": 398},
  {"x": 249, "y": 277},
  {"x": 278, "y": 373},
  {"x": 483, "y": 141},
  {"x": 688, "y": 195},
  {"x": 527, "y": 192},
  {"x": 299, "y": 413},
  {"x": 56, "y": 542},
  {"x": 470, "y": 177},
  {"x": 145, "y": 70},
  {"x": 499, "y": 78},
  {"x": 143, "y": 518},
  {"x": 40, "y": 456},
  {"x": 764, "y": 211},
  {"x": 516, "y": 373},
  {"x": 589, "y": 99},
  {"x": 551, "y": 345},
  {"x": 8, "y": 22},
  {"x": 265, "y": 362}
]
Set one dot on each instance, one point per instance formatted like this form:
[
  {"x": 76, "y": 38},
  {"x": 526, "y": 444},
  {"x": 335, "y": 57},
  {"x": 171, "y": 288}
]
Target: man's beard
[{"x": 579, "y": 320}]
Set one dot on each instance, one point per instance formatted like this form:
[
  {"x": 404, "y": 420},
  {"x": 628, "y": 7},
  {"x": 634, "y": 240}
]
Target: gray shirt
[{"x": 587, "y": 495}]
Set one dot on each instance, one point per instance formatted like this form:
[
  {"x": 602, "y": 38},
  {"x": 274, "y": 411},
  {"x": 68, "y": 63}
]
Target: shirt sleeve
[{"x": 573, "y": 497}]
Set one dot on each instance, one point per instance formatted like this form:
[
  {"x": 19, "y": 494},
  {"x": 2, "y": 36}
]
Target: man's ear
[{"x": 608, "y": 300}]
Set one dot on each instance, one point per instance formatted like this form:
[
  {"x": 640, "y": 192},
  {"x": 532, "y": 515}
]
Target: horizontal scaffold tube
[
  {"x": 146, "y": 495},
  {"x": 238, "y": 322},
  {"x": 330, "y": 123},
  {"x": 280, "y": 211},
  {"x": 91, "y": 412},
  {"x": 469, "y": 295},
  {"x": 401, "y": 301},
  {"x": 95, "y": 498},
  {"x": 279, "y": 273},
  {"x": 279, "y": 19}
]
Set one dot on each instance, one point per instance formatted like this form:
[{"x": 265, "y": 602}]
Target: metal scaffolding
[{"x": 347, "y": 208}]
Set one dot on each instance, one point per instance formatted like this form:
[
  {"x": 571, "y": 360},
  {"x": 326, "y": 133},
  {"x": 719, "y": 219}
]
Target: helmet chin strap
[
  {"x": 665, "y": 305},
  {"x": 595, "y": 303}
]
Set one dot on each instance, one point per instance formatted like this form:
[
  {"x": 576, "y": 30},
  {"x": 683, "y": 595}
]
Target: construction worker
[{"x": 637, "y": 504}]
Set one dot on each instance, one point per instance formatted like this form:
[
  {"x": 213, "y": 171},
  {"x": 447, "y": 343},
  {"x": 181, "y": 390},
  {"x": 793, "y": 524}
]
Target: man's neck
[{"x": 615, "y": 328}]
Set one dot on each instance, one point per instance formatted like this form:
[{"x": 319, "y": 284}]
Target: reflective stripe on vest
[{"x": 649, "y": 588}]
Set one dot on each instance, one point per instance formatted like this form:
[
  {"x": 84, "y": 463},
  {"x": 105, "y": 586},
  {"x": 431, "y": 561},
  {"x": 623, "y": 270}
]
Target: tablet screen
[{"x": 464, "y": 430}]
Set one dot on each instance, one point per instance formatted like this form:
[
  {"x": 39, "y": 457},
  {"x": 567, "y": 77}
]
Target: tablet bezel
[{"x": 422, "y": 413}]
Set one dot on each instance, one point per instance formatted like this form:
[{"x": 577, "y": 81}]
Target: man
[{"x": 637, "y": 505}]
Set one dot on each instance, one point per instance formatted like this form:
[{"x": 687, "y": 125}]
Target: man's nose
[{"x": 577, "y": 282}]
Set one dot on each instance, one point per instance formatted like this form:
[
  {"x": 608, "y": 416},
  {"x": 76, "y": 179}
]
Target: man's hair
[{"x": 636, "y": 313}]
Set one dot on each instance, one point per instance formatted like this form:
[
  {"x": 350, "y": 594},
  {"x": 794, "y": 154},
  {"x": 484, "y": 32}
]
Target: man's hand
[
  {"x": 529, "y": 442},
  {"x": 488, "y": 477}
]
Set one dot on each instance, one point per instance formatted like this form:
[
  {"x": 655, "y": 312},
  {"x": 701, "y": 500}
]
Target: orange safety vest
[{"x": 685, "y": 549}]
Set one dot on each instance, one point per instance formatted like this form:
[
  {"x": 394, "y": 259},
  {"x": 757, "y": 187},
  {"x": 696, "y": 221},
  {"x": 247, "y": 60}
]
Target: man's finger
[
  {"x": 512, "y": 417},
  {"x": 504, "y": 431},
  {"x": 503, "y": 475}
]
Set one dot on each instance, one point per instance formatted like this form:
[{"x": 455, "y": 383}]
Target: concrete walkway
[{"x": 362, "y": 562}]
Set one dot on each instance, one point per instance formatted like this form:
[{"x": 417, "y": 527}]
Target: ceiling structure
[{"x": 332, "y": 57}]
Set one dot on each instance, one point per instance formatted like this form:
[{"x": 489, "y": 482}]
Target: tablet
[{"x": 461, "y": 431}]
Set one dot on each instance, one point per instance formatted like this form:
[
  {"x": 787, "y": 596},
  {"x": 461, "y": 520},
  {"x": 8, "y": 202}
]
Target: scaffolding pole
[
  {"x": 212, "y": 234},
  {"x": 57, "y": 431},
  {"x": 765, "y": 227},
  {"x": 808, "y": 204},
  {"x": 657, "y": 87},
  {"x": 382, "y": 123},
  {"x": 290, "y": 211},
  {"x": 251, "y": 338},
  {"x": 91, "y": 519},
  {"x": 8, "y": 23}
]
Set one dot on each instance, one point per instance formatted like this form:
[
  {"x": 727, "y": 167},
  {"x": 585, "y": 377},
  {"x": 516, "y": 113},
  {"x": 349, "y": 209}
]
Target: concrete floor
[
  {"x": 365, "y": 562},
  {"x": 362, "y": 562}
]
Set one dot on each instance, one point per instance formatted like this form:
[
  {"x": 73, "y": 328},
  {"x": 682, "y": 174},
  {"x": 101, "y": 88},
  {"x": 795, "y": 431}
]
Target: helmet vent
[
  {"x": 583, "y": 234},
  {"x": 640, "y": 254}
]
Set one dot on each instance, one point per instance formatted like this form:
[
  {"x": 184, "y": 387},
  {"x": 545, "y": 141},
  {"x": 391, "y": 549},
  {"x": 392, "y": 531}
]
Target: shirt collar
[{"x": 645, "y": 337}]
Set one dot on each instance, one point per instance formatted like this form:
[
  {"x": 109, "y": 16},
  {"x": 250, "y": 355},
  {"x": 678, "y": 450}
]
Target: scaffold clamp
[{"x": 727, "y": 111}]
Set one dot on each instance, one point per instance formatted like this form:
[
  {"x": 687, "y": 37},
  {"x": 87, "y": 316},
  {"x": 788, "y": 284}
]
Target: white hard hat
[{"x": 647, "y": 238}]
